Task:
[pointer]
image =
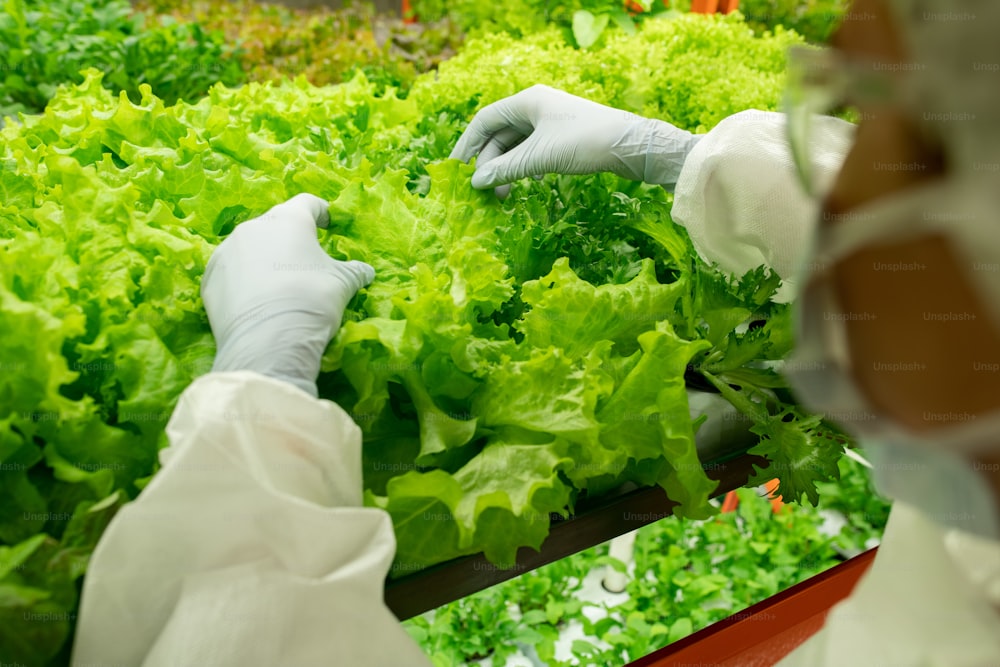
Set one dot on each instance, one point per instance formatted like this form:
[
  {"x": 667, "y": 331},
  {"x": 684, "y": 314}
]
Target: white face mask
[{"x": 931, "y": 470}]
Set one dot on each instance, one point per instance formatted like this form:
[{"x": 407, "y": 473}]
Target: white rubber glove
[
  {"x": 274, "y": 297},
  {"x": 542, "y": 130}
]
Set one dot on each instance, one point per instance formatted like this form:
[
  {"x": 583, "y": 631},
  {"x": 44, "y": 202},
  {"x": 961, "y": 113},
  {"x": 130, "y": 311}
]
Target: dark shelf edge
[{"x": 416, "y": 593}]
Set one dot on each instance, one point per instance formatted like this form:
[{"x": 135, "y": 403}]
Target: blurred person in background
[{"x": 251, "y": 545}]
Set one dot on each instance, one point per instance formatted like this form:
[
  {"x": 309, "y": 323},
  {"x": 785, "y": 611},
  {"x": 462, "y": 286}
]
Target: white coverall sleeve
[
  {"x": 250, "y": 546},
  {"x": 740, "y": 200}
]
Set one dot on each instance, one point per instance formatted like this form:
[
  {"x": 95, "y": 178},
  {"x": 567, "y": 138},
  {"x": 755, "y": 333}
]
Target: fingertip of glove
[
  {"x": 317, "y": 208},
  {"x": 364, "y": 272},
  {"x": 482, "y": 179},
  {"x": 323, "y": 218}
]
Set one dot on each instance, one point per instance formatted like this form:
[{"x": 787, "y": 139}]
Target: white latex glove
[
  {"x": 543, "y": 130},
  {"x": 274, "y": 297}
]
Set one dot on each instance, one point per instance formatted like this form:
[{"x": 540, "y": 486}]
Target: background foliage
[
  {"x": 582, "y": 22},
  {"x": 47, "y": 43},
  {"x": 813, "y": 19},
  {"x": 323, "y": 45},
  {"x": 687, "y": 575}
]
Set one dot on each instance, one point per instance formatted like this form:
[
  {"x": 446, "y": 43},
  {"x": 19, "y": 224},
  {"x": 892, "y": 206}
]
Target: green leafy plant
[
  {"x": 46, "y": 44},
  {"x": 324, "y": 45},
  {"x": 691, "y": 70},
  {"x": 509, "y": 357},
  {"x": 582, "y": 22},
  {"x": 813, "y": 19},
  {"x": 589, "y": 24},
  {"x": 856, "y": 498},
  {"x": 687, "y": 575}
]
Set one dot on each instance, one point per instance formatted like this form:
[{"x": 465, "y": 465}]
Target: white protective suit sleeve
[
  {"x": 739, "y": 199},
  {"x": 250, "y": 546},
  {"x": 932, "y": 596}
]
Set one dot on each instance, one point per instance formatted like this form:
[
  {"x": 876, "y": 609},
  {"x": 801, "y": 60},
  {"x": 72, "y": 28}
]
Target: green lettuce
[{"x": 509, "y": 359}]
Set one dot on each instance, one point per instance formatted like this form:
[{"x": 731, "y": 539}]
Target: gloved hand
[
  {"x": 274, "y": 297},
  {"x": 543, "y": 130}
]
